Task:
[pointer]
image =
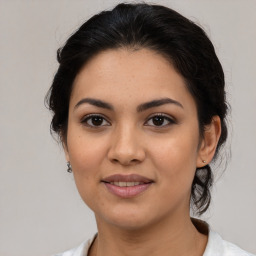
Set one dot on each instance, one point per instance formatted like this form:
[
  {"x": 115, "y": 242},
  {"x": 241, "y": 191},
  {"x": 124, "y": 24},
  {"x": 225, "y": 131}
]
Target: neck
[{"x": 179, "y": 237}]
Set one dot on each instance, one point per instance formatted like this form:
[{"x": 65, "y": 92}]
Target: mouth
[
  {"x": 131, "y": 178},
  {"x": 127, "y": 186}
]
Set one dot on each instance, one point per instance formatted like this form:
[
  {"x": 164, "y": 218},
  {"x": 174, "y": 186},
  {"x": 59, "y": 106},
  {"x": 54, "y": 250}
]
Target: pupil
[
  {"x": 97, "y": 120},
  {"x": 158, "y": 120}
]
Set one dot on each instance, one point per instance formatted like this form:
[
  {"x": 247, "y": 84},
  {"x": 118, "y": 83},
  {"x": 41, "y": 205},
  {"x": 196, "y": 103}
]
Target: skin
[{"x": 157, "y": 221}]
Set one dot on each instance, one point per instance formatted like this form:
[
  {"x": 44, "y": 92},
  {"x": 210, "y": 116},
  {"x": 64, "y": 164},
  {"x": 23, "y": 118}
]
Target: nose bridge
[{"x": 125, "y": 144}]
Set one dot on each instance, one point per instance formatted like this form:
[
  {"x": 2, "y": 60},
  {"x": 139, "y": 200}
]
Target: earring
[
  {"x": 204, "y": 161},
  {"x": 69, "y": 167}
]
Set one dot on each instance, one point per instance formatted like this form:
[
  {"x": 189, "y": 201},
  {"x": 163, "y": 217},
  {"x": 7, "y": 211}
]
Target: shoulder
[
  {"x": 232, "y": 249},
  {"x": 81, "y": 250},
  {"x": 217, "y": 246}
]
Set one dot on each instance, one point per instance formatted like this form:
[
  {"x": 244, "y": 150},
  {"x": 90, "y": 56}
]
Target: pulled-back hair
[{"x": 183, "y": 43}]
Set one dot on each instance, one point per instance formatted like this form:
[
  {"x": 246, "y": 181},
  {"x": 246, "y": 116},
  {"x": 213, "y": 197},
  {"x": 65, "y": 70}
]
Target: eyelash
[
  {"x": 169, "y": 119},
  {"x": 89, "y": 117}
]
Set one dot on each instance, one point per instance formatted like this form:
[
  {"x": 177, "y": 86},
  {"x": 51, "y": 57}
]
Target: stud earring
[
  {"x": 69, "y": 167},
  {"x": 204, "y": 161}
]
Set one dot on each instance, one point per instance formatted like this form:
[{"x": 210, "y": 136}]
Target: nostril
[
  {"x": 126, "y": 155},
  {"x": 125, "y": 162}
]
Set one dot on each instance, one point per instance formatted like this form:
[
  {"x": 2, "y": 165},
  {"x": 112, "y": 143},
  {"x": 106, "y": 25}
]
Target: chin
[
  {"x": 127, "y": 219},
  {"x": 130, "y": 224}
]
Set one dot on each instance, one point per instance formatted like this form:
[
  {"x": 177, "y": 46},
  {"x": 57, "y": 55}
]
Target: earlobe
[{"x": 209, "y": 142}]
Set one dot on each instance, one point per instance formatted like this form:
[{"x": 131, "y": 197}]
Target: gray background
[{"x": 40, "y": 209}]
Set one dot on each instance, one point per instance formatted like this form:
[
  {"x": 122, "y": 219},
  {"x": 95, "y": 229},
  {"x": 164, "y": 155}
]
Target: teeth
[
  {"x": 122, "y": 184},
  {"x": 125, "y": 184}
]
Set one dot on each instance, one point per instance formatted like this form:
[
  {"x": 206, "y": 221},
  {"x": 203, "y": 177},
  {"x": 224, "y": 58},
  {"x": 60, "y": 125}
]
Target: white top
[{"x": 216, "y": 246}]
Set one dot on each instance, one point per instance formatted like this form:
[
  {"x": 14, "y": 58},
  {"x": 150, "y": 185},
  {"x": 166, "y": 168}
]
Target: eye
[
  {"x": 95, "y": 121},
  {"x": 160, "y": 120}
]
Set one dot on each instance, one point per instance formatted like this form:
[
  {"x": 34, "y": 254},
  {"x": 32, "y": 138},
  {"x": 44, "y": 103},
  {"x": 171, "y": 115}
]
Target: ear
[
  {"x": 65, "y": 146},
  {"x": 209, "y": 142}
]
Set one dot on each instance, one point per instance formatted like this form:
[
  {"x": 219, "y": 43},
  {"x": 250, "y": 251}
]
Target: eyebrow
[
  {"x": 156, "y": 103},
  {"x": 94, "y": 102},
  {"x": 140, "y": 108}
]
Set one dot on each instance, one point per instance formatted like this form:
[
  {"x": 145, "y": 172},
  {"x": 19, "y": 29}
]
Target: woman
[{"x": 139, "y": 104}]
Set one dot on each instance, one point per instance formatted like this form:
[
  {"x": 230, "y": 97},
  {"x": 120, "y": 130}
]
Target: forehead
[{"x": 121, "y": 75}]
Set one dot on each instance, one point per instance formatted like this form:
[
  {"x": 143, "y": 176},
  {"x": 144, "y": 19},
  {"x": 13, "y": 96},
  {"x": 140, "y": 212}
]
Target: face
[{"x": 133, "y": 138}]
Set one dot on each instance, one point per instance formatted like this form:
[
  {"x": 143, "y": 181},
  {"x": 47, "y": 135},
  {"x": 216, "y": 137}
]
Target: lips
[
  {"x": 127, "y": 178},
  {"x": 127, "y": 186}
]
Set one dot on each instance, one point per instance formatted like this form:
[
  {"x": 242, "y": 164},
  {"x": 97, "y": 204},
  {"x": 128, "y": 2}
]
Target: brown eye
[
  {"x": 160, "y": 121},
  {"x": 95, "y": 120}
]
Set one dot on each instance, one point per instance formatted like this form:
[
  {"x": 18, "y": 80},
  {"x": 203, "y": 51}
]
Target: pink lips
[{"x": 127, "y": 186}]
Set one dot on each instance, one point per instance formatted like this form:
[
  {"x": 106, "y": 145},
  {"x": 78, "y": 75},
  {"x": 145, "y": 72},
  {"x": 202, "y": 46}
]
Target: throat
[{"x": 176, "y": 242}]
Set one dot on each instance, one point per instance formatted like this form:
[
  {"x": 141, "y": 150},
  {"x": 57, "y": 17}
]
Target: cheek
[
  {"x": 175, "y": 159},
  {"x": 85, "y": 164},
  {"x": 86, "y": 157},
  {"x": 85, "y": 152}
]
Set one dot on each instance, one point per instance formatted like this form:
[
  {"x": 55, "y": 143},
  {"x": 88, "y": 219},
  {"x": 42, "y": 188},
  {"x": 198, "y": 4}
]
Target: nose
[{"x": 126, "y": 147}]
